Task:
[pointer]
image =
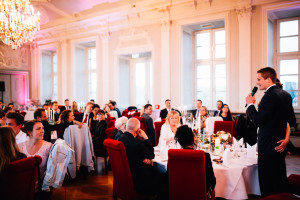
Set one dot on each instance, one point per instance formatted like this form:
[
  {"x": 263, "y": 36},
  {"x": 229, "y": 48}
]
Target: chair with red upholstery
[
  {"x": 294, "y": 181},
  {"x": 109, "y": 134},
  {"x": 108, "y": 119},
  {"x": 23, "y": 113},
  {"x": 125, "y": 112},
  {"x": 157, "y": 127},
  {"x": 235, "y": 133},
  {"x": 183, "y": 185},
  {"x": 281, "y": 196},
  {"x": 143, "y": 124},
  {"x": 137, "y": 114},
  {"x": 123, "y": 182},
  {"x": 60, "y": 106},
  {"x": 226, "y": 126},
  {"x": 111, "y": 124},
  {"x": 19, "y": 179}
]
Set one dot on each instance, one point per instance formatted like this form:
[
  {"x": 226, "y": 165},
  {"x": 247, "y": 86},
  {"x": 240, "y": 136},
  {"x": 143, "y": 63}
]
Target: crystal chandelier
[{"x": 18, "y": 23}]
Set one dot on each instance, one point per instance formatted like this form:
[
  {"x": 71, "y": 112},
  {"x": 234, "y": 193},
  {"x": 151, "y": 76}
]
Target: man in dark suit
[
  {"x": 146, "y": 179},
  {"x": 149, "y": 121},
  {"x": 66, "y": 106},
  {"x": 196, "y": 112},
  {"x": 54, "y": 112},
  {"x": 164, "y": 112},
  {"x": 219, "y": 107},
  {"x": 88, "y": 114},
  {"x": 274, "y": 112},
  {"x": 113, "y": 106}
]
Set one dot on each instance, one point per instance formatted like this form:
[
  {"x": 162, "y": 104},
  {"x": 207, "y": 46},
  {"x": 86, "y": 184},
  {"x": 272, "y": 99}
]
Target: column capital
[
  {"x": 244, "y": 11},
  {"x": 34, "y": 47}
]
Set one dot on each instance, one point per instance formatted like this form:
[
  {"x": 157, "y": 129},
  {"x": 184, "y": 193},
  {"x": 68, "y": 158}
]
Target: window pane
[
  {"x": 54, "y": 63},
  {"x": 220, "y": 70},
  {"x": 203, "y": 83},
  {"x": 203, "y": 71},
  {"x": 288, "y": 28},
  {"x": 203, "y": 53},
  {"x": 220, "y": 37},
  {"x": 204, "y": 96},
  {"x": 203, "y": 45},
  {"x": 220, "y": 95},
  {"x": 288, "y": 67},
  {"x": 140, "y": 83},
  {"x": 220, "y": 51},
  {"x": 294, "y": 95},
  {"x": 203, "y": 39},
  {"x": 289, "y": 82},
  {"x": 289, "y": 44}
]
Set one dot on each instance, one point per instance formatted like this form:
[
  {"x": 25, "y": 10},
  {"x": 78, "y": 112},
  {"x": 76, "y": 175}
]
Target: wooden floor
[{"x": 97, "y": 185}]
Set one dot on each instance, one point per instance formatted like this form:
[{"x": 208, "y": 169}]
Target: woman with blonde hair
[
  {"x": 9, "y": 150},
  {"x": 74, "y": 107},
  {"x": 203, "y": 117},
  {"x": 168, "y": 130}
]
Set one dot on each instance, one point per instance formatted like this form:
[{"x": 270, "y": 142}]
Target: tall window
[
  {"x": 54, "y": 76},
  {"x": 210, "y": 61},
  {"x": 92, "y": 77},
  {"x": 288, "y": 56}
]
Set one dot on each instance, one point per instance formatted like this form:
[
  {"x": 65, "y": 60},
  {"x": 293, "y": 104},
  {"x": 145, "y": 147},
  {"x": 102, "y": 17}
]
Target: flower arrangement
[{"x": 225, "y": 138}]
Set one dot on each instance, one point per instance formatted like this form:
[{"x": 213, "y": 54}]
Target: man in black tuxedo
[
  {"x": 149, "y": 121},
  {"x": 54, "y": 112},
  {"x": 113, "y": 106},
  {"x": 66, "y": 106},
  {"x": 164, "y": 112},
  {"x": 274, "y": 112},
  {"x": 196, "y": 112},
  {"x": 219, "y": 107},
  {"x": 88, "y": 114}
]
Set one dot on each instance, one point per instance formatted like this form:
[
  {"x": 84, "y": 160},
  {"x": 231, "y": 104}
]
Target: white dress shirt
[{"x": 21, "y": 137}]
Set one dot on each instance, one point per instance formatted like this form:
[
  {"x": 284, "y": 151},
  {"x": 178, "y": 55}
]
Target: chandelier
[{"x": 18, "y": 23}]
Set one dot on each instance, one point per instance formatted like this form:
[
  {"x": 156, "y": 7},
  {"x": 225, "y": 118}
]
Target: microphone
[{"x": 254, "y": 90}]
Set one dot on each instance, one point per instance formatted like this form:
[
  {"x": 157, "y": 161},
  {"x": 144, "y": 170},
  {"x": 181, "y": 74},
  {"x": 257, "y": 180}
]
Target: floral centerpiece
[{"x": 225, "y": 138}]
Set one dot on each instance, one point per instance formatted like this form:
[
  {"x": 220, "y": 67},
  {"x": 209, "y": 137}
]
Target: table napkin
[
  {"x": 227, "y": 157},
  {"x": 251, "y": 150}
]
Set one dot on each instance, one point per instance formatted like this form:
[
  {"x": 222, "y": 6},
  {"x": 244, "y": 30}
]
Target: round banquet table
[{"x": 233, "y": 182}]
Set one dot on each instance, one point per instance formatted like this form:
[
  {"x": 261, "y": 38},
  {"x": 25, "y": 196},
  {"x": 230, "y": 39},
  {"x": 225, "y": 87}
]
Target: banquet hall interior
[{"x": 138, "y": 52}]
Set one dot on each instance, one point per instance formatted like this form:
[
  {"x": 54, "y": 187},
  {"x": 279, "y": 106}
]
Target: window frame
[{"x": 90, "y": 71}]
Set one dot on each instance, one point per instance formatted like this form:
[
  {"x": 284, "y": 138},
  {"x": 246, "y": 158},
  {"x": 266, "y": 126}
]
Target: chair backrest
[
  {"x": 110, "y": 133},
  {"x": 76, "y": 114},
  {"x": 143, "y": 123},
  {"x": 187, "y": 176},
  {"x": 111, "y": 124},
  {"x": 108, "y": 119},
  {"x": 226, "y": 126},
  {"x": 137, "y": 114},
  {"x": 157, "y": 127},
  {"x": 19, "y": 179},
  {"x": 235, "y": 133},
  {"x": 23, "y": 113},
  {"x": 124, "y": 113},
  {"x": 123, "y": 182}
]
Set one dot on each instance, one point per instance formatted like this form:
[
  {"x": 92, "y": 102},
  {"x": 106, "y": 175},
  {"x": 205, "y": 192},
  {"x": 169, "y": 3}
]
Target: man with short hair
[
  {"x": 164, "y": 112},
  {"x": 15, "y": 121},
  {"x": 11, "y": 105},
  {"x": 196, "y": 112},
  {"x": 66, "y": 106},
  {"x": 88, "y": 114},
  {"x": 219, "y": 107},
  {"x": 54, "y": 112},
  {"x": 92, "y": 101},
  {"x": 274, "y": 112},
  {"x": 149, "y": 121},
  {"x": 139, "y": 154},
  {"x": 113, "y": 106}
]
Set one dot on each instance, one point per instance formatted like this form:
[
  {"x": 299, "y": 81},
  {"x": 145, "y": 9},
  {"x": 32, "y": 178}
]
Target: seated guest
[
  {"x": 203, "y": 117},
  {"x": 3, "y": 117},
  {"x": 113, "y": 106},
  {"x": 54, "y": 112},
  {"x": 92, "y": 101},
  {"x": 66, "y": 118},
  {"x": 120, "y": 124},
  {"x": 93, "y": 121},
  {"x": 15, "y": 121},
  {"x": 9, "y": 150},
  {"x": 164, "y": 112},
  {"x": 196, "y": 112},
  {"x": 66, "y": 106},
  {"x": 168, "y": 130},
  {"x": 110, "y": 113},
  {"x": 101, "y": 126},
  {"x": 185, "y": 137},
  {"x": 88, "y": 114},
  {"x": 74, "y": 107},
  {"x": 11, "y": 105},
  {"x": 40, "y": 115},
  {"x": 46, "y": 107},
  {"x": 219, "y": 106},
  {"x": 146, "y": 179},
  {"x": 35, "y": 145},
  {"x": 225, "y": 113},
  {"x": 149, "y": 121}
]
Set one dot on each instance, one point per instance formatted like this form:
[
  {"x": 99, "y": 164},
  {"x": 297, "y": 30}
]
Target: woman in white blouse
[{"x": 168, "y": 130}]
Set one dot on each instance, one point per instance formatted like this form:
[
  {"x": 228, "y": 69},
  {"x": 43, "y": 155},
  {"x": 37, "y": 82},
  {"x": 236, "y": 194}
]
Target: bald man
[{"x": 139, "y": 154}]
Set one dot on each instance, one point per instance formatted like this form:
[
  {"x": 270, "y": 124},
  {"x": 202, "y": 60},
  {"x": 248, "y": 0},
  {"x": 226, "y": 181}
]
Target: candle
[{"x": 217, "y": 146}]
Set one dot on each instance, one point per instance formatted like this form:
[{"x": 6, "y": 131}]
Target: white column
[
  {"x": 64, "y": 72},
  {"x": 165, "y": 61},
  {"x": 103, "y": 81},
  {"x": 34, "y": 92},
  {"x": 244, "y": 18}
]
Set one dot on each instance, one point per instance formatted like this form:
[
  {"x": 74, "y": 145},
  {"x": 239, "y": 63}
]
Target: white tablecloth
[
  {"x": 29, "y": 115},
  {"x": 234, "y": 182}
]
